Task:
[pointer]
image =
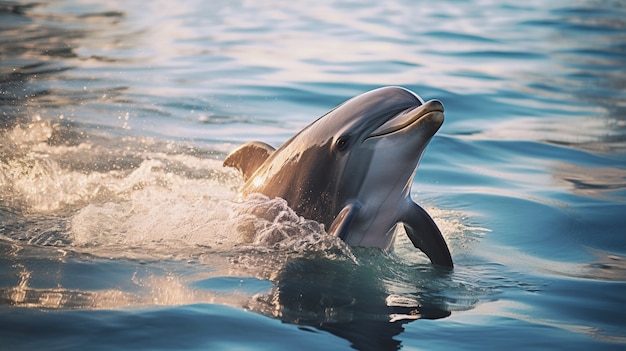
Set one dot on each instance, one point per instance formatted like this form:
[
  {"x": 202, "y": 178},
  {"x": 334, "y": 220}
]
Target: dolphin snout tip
[
  {"x": 434, "y": 105},
  {"x": 434, "y": 111}
]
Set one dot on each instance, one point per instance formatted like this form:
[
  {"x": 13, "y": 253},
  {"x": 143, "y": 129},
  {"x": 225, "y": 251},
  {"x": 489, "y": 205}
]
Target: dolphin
[{"x": 352, "y": 170}]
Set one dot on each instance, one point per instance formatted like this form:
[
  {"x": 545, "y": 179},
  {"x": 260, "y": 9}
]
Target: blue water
[{"x": 118, "y": 228}]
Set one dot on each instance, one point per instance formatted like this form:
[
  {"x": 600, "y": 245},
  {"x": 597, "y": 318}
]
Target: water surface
[{"x": 118, "y": 228}]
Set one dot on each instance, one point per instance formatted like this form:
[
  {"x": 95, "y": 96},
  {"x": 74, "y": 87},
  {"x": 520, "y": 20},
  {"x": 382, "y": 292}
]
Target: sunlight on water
[{"x": 118, "y": 220}]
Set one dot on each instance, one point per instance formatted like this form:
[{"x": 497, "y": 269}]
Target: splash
[{"x": 139, "y": 197}]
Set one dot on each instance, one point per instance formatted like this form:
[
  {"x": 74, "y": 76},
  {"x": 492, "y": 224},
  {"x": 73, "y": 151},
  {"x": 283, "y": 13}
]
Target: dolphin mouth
[{"x": 431, "y": 110}]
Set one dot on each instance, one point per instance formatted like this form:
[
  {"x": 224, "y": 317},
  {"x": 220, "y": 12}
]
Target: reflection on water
[
  {"x": 608, "y": 267},
  {"x": 366, "y": 304},
  {"x": 594, "y": 182},
  {"x": 351, "y": 301}
]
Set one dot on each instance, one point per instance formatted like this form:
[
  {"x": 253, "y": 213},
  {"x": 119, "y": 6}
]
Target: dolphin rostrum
[{"x": 352, "y": 170}]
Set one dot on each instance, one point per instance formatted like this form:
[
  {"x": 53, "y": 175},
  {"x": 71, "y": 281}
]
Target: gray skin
[{"x": 352, "y": 170}]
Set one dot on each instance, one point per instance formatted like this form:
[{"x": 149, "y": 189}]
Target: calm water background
[{"x": 117, "y": 229}]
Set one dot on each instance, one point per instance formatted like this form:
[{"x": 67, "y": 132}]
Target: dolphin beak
[{"x": 431, "y": 111}]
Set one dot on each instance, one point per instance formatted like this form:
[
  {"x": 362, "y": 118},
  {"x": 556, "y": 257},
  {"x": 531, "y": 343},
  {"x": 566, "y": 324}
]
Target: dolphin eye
[{"x": 342, "y": 142}]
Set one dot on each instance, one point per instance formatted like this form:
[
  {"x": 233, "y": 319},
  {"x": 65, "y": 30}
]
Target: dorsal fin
[{"x": 249, "y": 157}]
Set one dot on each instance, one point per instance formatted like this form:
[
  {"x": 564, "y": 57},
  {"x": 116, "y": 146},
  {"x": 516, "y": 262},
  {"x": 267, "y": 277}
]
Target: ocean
[{"x": 121, "y": 230}]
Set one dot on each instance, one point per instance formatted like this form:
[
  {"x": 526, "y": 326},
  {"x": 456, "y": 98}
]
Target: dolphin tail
[
  {"x": 249, "y": 157},
  {"x": 425, "y": 235}
]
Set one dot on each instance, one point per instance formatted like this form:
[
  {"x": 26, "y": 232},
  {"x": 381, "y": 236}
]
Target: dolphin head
[{"x": 379, "y": 142}]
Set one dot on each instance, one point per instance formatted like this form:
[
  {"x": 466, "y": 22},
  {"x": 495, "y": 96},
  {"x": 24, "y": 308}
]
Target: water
[{"x": 118, "y": 228}]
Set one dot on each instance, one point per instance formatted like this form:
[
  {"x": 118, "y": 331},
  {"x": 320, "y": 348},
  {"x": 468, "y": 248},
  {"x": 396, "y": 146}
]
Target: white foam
[{"x": 152, "y": 206}]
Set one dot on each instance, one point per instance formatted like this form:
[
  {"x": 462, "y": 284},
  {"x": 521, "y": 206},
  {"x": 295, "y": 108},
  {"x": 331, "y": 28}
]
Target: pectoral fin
[
  {"x": 341, "y": 224},
  {"x": 425, "y": 235},
  {"x": 249, "y": 157}
]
